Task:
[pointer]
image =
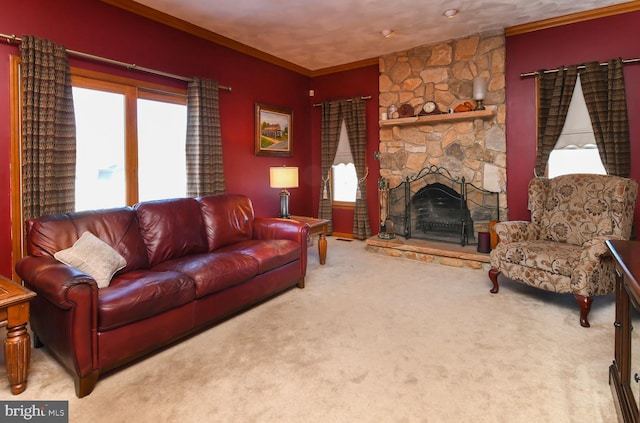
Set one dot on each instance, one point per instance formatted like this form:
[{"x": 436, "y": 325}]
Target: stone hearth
[{"x": 430, "y": 252}]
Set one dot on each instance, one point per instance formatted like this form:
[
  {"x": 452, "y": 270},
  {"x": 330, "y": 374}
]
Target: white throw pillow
[{"x": 94, "y": 257}]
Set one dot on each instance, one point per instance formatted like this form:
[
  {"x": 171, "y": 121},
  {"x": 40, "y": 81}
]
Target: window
[
  {"x": 344, "y": 181},
  {"x": 100, "y": 142},
  {"x": 130, "y": 141},
  {"x": 576, "y": 150},
  {"x": 162, "y": 164},
  {"x": 130, "y": 137}
]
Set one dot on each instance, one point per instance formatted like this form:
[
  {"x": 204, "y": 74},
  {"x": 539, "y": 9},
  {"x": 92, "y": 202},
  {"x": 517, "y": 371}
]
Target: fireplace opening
[
  {"x": 441, "y": 213},
  {"x": 434, "y": 205}
]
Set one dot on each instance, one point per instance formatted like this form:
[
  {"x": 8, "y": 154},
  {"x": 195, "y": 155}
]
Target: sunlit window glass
[
  {"x": 345, "y": 182},
  {"x": 100, "y": 140},
  {"x": 575, "y": 160},
  {"x": 161, "y": 150}
]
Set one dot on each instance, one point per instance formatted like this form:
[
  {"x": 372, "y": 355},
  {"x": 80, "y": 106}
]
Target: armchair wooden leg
[
  {"x": 493, "y": 275},
  {"x": 585, "y": 308}
]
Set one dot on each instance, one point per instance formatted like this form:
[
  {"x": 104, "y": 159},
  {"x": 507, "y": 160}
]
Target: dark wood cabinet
[{"x": 624, "y": 372}]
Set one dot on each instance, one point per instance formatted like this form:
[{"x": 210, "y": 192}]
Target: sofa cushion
[
  {"x": 269, "y": 254},
  {"x": 212, "y": 272},
  {"x": 94, "y": 257},
  {"x": 117, "y": 227},
  {"x": 549, "y": 256},
  {"x": 171, "y": 228},
  {"x": 228, "y": 219},
  {"x": 141, "y": 294}
]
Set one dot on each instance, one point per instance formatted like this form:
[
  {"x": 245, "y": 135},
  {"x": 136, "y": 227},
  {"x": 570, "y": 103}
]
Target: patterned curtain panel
[
  {"x": 205, "y": 172},
  {"x": 353, "y": 113},
  {"x": 554, "y": 95},
  {"x": 355, "y": 117},
  {"x": 48, "y": 129},
  {"x": 331, "y": 122},
  {"x": 604, "y": 93}
]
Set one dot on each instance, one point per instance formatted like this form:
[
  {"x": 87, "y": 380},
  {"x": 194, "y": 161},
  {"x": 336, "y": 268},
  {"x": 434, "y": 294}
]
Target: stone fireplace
[{"x": 471, "y": 146}]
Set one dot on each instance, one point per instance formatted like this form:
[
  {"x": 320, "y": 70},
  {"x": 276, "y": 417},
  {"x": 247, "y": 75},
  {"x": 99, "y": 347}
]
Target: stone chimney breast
[{"x": 474, "y": 148}]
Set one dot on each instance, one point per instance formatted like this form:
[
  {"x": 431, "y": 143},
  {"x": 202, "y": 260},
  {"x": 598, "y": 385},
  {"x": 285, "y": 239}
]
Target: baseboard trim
[{"x": 342, "y": 235}]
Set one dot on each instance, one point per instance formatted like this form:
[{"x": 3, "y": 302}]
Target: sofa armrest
[
  {"x": 54, "y": 280},
  {"x": 591, "y": 274},
  {"x": 595, "y": 248},
  {"x": 278, "y": 228},
  {"x": 64, "y": 315},
  {"x": 517, "y": 230}
]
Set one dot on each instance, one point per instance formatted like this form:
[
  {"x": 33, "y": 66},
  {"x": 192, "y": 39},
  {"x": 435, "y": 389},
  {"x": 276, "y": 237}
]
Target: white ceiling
[{"x": 318, "y": 34}]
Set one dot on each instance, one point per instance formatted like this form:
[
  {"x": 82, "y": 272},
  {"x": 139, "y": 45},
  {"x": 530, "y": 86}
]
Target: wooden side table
[
  {"x": 14, "y": 314},
  {"x": 317, "y": 226}
]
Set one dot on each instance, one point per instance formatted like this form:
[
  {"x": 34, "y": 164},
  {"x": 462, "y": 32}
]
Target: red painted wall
[
  {"x": 595, "y": 40},
  {"x": 94, "y": 27},
  {"x": 347, "y": 84}
]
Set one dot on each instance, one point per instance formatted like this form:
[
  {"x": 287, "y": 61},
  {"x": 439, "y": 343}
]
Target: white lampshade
[
  {"x": 283, "y": 177},
  {"x": 479, "y": 88}
]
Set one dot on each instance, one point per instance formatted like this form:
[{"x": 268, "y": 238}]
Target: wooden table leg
[
  {"x": 17, "y": 348},
  {"x": 322, "y": 248}
]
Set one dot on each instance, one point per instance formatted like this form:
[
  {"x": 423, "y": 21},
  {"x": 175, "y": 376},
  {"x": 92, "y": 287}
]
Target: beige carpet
[{"x": 370, "y": 339}]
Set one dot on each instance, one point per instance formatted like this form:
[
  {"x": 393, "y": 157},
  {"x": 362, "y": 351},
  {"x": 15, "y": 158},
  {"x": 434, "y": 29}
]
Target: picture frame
[{"x": 274, "y": 131}]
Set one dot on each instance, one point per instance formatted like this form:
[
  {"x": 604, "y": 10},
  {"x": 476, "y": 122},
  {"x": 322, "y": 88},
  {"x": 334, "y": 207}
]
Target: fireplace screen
[{"x": 434, "y": 205}]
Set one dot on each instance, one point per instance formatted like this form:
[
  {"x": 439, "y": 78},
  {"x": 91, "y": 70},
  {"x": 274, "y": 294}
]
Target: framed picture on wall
[{"x": 274, "y": 131}]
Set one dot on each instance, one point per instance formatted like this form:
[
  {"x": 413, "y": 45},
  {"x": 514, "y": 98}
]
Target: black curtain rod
[
  {"x": 130, "y": 66},
  {"x": 364, "y": 97},
  {"x": 527, "y": 74}
]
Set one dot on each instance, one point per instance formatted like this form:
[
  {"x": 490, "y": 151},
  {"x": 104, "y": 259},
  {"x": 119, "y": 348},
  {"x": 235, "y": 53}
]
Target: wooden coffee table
[
  {"x": 14, "y": 314},
  {"x": 317, "y": 227}
]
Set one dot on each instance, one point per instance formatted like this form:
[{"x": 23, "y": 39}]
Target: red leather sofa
[{"x": 190, "y": 262}]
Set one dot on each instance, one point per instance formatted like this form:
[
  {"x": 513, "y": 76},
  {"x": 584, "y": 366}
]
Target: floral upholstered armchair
[{"x": 562, "y": 249}]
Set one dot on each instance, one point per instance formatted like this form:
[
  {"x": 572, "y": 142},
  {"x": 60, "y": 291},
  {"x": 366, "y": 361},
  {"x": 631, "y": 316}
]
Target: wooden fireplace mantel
[{"x": 440, "y": 118}]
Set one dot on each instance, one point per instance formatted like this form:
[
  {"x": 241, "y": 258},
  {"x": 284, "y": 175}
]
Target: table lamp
[{"x": 283, "y": 177}]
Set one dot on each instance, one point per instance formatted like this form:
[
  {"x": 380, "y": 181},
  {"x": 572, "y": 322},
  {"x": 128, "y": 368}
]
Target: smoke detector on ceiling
[
  {"x": 450, "y": 13},
  {"x": 386, "y": 33}
]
